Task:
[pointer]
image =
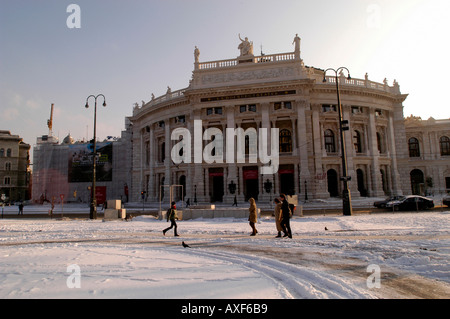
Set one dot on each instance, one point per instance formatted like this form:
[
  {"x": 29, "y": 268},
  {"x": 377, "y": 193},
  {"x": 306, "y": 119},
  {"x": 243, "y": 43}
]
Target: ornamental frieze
[{"x": 273, "y": 73}]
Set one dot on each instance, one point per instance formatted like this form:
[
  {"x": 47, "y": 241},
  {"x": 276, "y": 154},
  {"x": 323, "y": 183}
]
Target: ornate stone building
[
  {"x": 15, "y": 177},
  {"x": 425, "y": 164},
  {"x": 279, "y": 91}
]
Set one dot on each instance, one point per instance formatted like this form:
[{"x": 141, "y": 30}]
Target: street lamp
[
  {"x": 93, "y": 208},
  {"x": 343, "y": 126}
]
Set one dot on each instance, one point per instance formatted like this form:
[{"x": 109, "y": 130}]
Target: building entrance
[
  {"x": 251, "y": 183},
  {"x": 217, "y": 191}
]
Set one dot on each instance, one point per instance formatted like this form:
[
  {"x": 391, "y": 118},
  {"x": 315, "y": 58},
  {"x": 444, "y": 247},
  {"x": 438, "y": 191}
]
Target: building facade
[
  {"x": 280, "y": 92},
  {"x": 425, "y": 163},
  {"x": 15, "y": 174}
]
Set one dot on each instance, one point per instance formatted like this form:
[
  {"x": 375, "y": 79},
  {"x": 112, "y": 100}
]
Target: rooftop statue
[
  {"x": 246, "y": 46},
  {"x": 196, "y": 54},
  {"x": 296, "y": 42}
]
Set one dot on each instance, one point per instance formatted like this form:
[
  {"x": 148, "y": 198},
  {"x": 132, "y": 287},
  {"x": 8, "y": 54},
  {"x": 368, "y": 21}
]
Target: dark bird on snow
[{"x": 185, "y": 245}]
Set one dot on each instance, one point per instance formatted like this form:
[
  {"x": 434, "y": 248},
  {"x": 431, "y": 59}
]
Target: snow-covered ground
[{"x": 382, "y": 255}]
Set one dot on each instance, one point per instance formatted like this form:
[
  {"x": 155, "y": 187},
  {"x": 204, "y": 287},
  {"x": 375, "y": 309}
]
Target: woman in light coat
[{"x": 252, "y": 218}]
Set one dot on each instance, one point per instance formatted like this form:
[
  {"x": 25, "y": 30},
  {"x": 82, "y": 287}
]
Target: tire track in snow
[{"x": 296, "y": 281}]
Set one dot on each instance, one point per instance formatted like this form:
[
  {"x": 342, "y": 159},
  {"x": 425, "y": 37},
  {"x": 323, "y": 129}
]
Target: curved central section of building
[{"x": 184, "y": 137}]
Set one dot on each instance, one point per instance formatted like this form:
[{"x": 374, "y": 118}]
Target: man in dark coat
[
  {"x": 172, "y": 216},
  {"x": 285, "y": 216}
]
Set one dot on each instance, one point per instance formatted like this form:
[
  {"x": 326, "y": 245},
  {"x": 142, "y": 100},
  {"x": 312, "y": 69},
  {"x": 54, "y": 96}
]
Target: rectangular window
[
  {"x": 328, "y": 108},
  {"x": 180, "y": 119},
  {"x": 356, "y": 110},
  {"x": 282, "y": 105}
]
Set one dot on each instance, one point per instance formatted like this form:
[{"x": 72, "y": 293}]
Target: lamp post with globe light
[
  {"x": 343, "y": 126},
  {"x": 93, "y": 207}
]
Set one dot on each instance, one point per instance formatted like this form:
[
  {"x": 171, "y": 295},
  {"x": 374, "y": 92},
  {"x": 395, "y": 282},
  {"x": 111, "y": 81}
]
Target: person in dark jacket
[
  {"x": 285, "y": 217},
  {"x": 172, "y": 216}
]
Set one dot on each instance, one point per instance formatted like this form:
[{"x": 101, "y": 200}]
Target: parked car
[
  {"x": 411, "y": 202},
  {"x": 446, "y": 200},
  {"x": 382, "y": 204}
]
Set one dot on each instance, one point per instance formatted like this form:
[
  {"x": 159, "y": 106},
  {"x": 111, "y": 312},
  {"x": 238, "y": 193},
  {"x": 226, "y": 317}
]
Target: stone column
[
  {"x": 350, "y": 150},
  {"x": 302, "y": 144},
  {"x": 167, "y": 160},
  {"x": 396, "y": 189},
  {"x": 377, "y": 185},
  {"x": 319, "y": 187},
  {"x": 152, "y": 150},
  {"x": 198, "y": 179}
]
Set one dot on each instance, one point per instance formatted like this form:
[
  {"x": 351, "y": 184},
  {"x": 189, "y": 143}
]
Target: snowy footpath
[{"x": 381, "y": 255}]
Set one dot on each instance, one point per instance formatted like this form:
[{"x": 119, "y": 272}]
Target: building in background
[
  {"x": 425, "y": 161},
  {"x": 15, "y": 174},
  {"x": 64, "y": 170}
]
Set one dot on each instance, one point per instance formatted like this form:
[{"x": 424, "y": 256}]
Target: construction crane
[{"x": 50, "y": 123}]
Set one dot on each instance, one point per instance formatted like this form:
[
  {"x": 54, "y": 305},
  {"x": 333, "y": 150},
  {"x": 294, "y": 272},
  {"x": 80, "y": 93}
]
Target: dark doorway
[
  {"x": 251, "y": 186},
  {"x": 287, "y": 185},
  {"x": 417, "y": 181},
  {"x": 182, "y": 182},
  {"x": 361, "y": 185},
  {"x": 217, "y": 191},
  {"x": 332, "y": 180},
  {"x": 251, "y": 189}
]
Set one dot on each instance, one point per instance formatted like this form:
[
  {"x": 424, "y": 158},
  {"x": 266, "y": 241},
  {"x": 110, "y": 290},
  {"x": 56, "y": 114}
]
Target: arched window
[
  {"x": 357, "y": 141},
  {"x": 163, "y": 152},
  {"x": 330, "y": 146},
  {"x": 285, "y": 141},
  {"x": 444, "y": 143},
  {"x": 8, "y": 152},
  {"x": 414, "y": 148},
  {"x": 380, "y": 143},
  {"x": 2, "y": 152}
]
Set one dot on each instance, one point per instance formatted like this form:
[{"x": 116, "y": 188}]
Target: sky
[{"x": 127, "y": 50}]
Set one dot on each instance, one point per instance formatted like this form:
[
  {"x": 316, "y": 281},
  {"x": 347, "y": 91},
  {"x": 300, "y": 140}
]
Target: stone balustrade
[
  {"x": 279, "y": 57},
  {"x": 269, "y": 59}
]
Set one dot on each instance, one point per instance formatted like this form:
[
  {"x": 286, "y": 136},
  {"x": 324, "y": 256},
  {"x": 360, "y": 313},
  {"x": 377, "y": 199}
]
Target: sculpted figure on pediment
[{"x": 246, "y": 47}]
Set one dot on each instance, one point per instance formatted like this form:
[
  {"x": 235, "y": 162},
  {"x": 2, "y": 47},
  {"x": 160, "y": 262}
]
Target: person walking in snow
[
  {"x": 253, "y": 217},
  {"x": 172, "y": 216},
  {"x": 277, "y": 213},
  {"x": 285, "y": 216}
]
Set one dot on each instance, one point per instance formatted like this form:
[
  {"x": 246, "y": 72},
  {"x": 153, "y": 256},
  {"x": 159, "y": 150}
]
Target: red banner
[{"x": 250, "y": 174}]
